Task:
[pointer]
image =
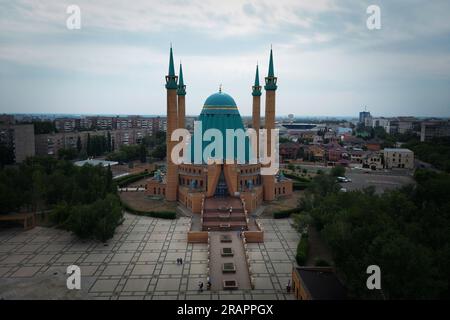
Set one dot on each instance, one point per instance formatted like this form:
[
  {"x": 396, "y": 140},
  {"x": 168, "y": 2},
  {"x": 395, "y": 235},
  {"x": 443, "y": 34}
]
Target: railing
[
  {"x": 208, "y": 268},
  {"x": 247, "y": 261}
]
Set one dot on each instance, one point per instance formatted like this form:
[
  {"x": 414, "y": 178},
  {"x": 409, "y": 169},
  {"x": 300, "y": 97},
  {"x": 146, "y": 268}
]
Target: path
[{"x": 216, "y": 261}]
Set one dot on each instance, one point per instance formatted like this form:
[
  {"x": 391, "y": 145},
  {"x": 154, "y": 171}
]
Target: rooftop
[
  {"x": 397, "y": 150},
  {"x": 96, "y": 162},
  {"x": 322, "y": 283}
]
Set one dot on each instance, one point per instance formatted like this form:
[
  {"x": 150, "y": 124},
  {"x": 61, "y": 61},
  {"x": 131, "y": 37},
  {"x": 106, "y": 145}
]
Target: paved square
[{"x": 139, "y": 262}]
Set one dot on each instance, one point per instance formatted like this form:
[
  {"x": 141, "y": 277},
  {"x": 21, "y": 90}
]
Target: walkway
[{"x": 216, "y": 261}]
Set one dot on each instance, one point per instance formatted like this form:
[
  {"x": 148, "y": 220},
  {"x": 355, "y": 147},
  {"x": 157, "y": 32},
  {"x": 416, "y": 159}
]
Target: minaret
[
  {"x": 172, "y": 123},
  {"x": 256, "y": 115},
  {"x": 270, "y": 87},
  {"x": 181, "y": 92}
]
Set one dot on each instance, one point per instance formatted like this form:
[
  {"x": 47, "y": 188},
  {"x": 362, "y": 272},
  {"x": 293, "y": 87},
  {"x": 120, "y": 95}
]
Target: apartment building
[
  {"x": 20, "y": 137},
  {"x": 51, "y": 143},
  {"x": 434, "y": 129}
]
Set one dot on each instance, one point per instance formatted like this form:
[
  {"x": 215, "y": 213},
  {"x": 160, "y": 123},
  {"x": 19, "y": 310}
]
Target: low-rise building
[
  {"x": 373, "y": 161},
  {"x": 288, "y": 150},
  {"x": 314, "y": 153},
  {"x": 398, "y": 158}
]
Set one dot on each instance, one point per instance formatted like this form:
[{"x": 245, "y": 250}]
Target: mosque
[{"x": 222, "y": 193}]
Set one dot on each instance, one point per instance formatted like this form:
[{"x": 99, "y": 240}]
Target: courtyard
[{"x": 139, "y": 262}]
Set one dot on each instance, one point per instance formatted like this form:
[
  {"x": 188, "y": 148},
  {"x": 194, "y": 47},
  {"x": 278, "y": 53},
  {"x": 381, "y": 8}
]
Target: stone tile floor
[{"x": 139, "y": 262}]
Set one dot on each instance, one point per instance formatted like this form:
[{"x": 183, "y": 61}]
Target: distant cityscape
[{"x": 45, "y": 134}]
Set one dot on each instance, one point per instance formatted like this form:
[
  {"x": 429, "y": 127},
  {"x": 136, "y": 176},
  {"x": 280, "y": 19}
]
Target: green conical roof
[
  {"x": 256, "y": 87},
  {"x": 271, "y": 80},
  {"x": 271, "y": 73},
  {"x": 181, "y": 87},
  {"x": 171, "y": 66},
  {"x": 171, "y": 78}
]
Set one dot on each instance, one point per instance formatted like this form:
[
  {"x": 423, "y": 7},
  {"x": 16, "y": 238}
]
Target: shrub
[
  {"x": 321, "y": 263},
  {"x": 97, "y": 220},
  {"x": 300, "y": 185},
  {"x": 127, "y": 180},
  {"x": 302, "y": 250},
  {"x": 154, "y": 214},
  {"x": 285, "y": 213}
]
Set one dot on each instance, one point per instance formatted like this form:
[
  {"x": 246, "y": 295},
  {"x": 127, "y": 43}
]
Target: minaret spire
[
  {"x": 271, "y": 80},
  {"x": 269, "y": 121},
  {"x": 181, "y": 87},
  {"x": 171, "y": 188},
  {"x": 256, "y": 87},
  {"x": 171, "y": 79}
]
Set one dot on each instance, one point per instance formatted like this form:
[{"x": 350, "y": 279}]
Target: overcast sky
[{"x": 327, "y": 62}]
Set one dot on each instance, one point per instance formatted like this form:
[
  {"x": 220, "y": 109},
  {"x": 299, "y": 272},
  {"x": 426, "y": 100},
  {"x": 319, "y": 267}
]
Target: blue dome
[{"x": 220, "y": 99}]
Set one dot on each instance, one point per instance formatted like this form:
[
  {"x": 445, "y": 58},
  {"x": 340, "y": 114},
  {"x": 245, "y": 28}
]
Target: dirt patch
[{"x": 143, "y": 202}]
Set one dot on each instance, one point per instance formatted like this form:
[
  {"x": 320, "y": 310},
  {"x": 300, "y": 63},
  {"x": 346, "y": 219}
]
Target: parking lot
[{"x": 382, "y": 181}]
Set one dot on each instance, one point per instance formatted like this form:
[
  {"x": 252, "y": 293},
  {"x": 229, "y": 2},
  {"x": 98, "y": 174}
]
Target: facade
[
  {"x": 193, "y": 183},
  {"x": 373, "y": 160},
  {"x": 363, "y": 115},
  {"x": 49, "y": 144},
  {"x": 434, "y": 129},
  {"x": 19, "y": 137},
  {"x": 110, "y": 123},
  {"x": 398, "y": 158},
  {"x": 288, "y": 150}
]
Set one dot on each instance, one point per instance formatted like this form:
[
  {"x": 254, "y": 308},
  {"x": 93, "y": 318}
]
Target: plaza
[{"x": 138, "y": 263}]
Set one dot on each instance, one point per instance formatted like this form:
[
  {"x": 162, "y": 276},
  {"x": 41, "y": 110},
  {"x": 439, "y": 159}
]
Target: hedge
[
  {"x": 153, "y": 214},
  {"x": 302, "y": 250},
  {"x": 296, "y": 177},
  {"x": 124, "y": 181},
  {"x": 300, "y": 185},
  {"x": 285, "y": 213}
]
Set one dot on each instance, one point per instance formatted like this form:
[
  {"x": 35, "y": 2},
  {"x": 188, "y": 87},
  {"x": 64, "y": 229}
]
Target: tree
[
  {"x": 67, "y": 154},
  {"x": 108, "y": 142},
  {"x": 143, "y": 153},
  {"x": 6, "y": 155},
  {"x": 88, "y": 145},
  {"x": 403, "y": 231},
  {"x": 338, "y": 171},
  {"x": 79, "y": 145}
]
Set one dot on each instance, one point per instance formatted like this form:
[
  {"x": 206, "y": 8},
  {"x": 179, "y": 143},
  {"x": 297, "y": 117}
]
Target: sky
[{"x": 327, "y": 61}]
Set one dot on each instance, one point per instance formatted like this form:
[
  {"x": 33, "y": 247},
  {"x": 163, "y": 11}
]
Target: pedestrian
[
  {"x": 181, "y": 260},
  {"x": 178, "y": 260},
  {"x": 200, "y": 286}
]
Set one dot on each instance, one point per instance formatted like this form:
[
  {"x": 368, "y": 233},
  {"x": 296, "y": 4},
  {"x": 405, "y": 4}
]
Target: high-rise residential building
[
  {"x": 20, "y": 138},
  {"x": 363, "y": 115}
]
